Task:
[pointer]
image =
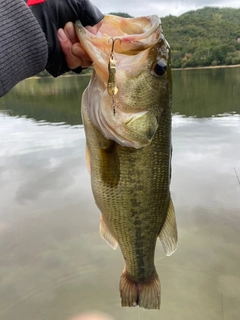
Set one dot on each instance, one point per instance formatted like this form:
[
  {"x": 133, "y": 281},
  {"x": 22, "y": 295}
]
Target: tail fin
[{"x": 145, "y": 294}]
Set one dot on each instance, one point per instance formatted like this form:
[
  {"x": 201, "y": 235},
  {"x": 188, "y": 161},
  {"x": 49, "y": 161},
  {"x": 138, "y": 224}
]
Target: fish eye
[{"x": 160, "y": 68}]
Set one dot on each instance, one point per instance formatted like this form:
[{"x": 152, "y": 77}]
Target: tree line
[{"x": 204, "y": 37}]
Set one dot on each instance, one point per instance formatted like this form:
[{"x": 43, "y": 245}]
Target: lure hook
[{"x": 113, "y": 42}]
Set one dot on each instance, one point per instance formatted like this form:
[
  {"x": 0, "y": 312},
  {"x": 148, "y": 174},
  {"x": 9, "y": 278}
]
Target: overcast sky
[{"x": 159, "y": 7}]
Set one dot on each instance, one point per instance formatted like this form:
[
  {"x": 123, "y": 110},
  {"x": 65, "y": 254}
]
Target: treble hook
[{"x": 113, "y": 42}]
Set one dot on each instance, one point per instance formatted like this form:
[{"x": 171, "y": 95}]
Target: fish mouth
[
  {"x": 135, "y": 35},
  {"x": 131, "y": 125}
]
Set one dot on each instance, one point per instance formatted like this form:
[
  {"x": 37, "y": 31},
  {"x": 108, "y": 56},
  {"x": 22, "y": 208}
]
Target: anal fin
[
  {"x": 106, "y": 234},
  {"x": 168, "y": 234}
]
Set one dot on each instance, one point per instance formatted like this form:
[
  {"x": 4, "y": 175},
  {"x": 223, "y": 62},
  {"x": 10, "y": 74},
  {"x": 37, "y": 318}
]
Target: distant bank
[{"x": 209, "y": 67}]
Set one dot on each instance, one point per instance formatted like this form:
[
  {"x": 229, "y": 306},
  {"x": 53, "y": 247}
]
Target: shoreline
[
  {"x": 174, "y": 69},
  {"x": 63, "y": 75},
  {"x": 209, "y": 67}
]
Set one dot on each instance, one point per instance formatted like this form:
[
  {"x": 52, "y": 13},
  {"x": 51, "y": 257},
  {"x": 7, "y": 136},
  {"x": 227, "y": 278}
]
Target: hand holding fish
[
  {"x": 74, "y": 53},
  {"x": 52, "y": 15}
]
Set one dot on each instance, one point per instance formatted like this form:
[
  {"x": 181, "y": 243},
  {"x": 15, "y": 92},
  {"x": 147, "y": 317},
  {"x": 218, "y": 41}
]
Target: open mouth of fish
[{"x": 126, "y": 115}]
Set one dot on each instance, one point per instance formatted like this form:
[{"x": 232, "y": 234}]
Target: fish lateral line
[{"x": 112, "y": 87}]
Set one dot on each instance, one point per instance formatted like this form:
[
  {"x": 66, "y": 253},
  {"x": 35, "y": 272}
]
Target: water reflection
[
  {"x": 197, "y": 93},
  {"x": 44, "y": 99},
  {"x": 53, "y": 263},
  {"x": 36, "y": 160},
  {"x": 207, "y": 92},
  {"x": 206, "y": 151}
]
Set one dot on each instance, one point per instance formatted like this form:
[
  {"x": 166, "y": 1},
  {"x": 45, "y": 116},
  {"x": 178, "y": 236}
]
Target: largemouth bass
[{"x": 126, "y": 111}]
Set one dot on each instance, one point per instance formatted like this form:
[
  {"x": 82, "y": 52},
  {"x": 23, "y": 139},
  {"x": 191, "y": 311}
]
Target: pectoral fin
[
  {"x": 106, "y": 234},
  {"x": 109, "y": 163},
  {"x": 168, "y": 234}
]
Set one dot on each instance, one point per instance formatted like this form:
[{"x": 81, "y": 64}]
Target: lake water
[{"x": 53, "y": 262}]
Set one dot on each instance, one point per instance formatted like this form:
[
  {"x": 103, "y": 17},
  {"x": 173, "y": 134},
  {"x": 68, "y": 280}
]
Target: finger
[
  {"x": 70, "y": 32},
  {"x": 73, "y": 61},
  {"x": 78, "y": 51}
]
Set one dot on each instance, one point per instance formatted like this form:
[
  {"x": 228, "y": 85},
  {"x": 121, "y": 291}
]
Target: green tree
[{"x": 204, "y": 37}]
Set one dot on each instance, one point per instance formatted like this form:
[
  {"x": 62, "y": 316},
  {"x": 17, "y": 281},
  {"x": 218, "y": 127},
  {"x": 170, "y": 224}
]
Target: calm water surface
[{"x": 53, "y": 262}]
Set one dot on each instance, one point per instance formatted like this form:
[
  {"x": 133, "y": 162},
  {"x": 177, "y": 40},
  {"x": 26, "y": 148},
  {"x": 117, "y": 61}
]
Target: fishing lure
[{"x": 112, "y": 85}]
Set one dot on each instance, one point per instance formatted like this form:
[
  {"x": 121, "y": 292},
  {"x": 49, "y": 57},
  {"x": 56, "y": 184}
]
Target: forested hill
[{"x": 205, "y": 37}]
